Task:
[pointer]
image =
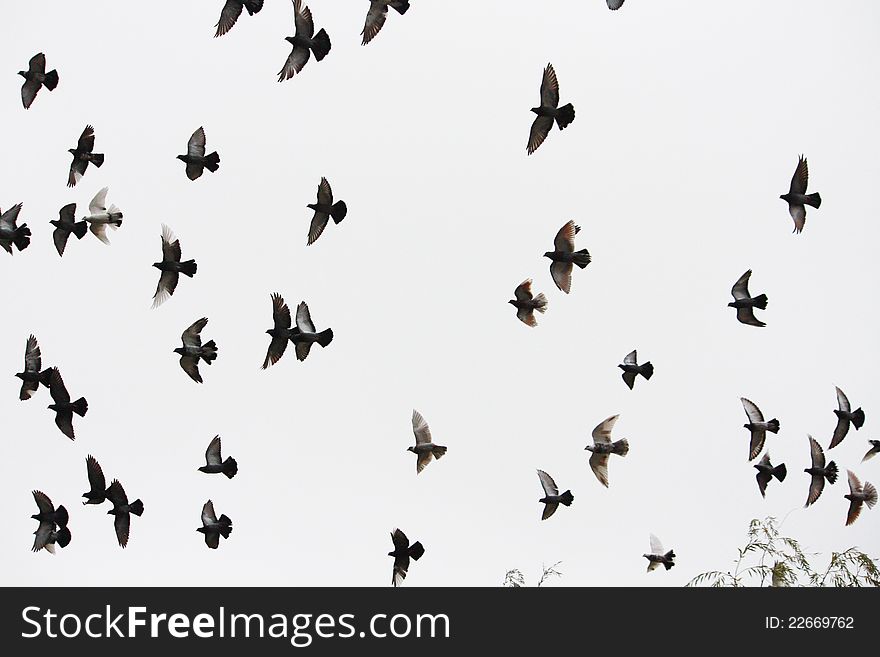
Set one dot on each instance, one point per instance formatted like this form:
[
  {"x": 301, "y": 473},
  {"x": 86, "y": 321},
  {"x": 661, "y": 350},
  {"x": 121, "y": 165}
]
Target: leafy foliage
[{"x": 515, "y": 579}]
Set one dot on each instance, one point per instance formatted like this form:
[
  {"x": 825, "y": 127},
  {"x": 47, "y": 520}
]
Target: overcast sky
[{"x": 690, "y": 118}]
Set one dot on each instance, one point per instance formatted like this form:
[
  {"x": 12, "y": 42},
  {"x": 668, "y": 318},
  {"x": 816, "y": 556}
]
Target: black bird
[
  {"x": 193, "y": 350},
  {"x": 303, "y": 41},
  {"x": 50, "y": 517},
  {"x": 98, "y": 491},
  {"x": 232, "y": 10},
  {"x": 63, "y": 407},
  {"x": 82, "y": 155},
  {"x": 215, "y": 462},
  {"x": 377, "y": 14},
  {"x": 526, "y": 304},
  {"x": 745, "y": 303},
  {"x": 548, "y": 111},
  {"x": 195, "y": 158},
  {"x": 845, "y": 417},
  {"x": 819, "y": 472},
  {"x": 171, "y": 267},
  {"x": 552, "y": 499},
  {"x": 122, "y": 511},
  {"x": 602, "y": 448},
  {"x": 33, "y": 374},
  {"x": 631, "y": 369},
  {"x": 615, "y": 4},
  {"x": 858, "y": 496},
  {"x": 424, "y": 449},
  {"x": 35, "y": 78},
  {"x": 65, "y": 225},
  {"x": 11, "y": 234},
  {"x": 305, "y": 335},
  {"x": 324, "y": 209},
  {"x": 871, "y": 453},
  {"x": 280, "y": 332},
  {"x": 213, "y": 528},
  {"x": 797, "y": 196},
  {"x": 564, "y": 255},
  {"x": 656, "y": 556},
  {"x": 766, "y": 472},
  {"x": 757, "y": 427},
  {"x": 402, "y": 553}
]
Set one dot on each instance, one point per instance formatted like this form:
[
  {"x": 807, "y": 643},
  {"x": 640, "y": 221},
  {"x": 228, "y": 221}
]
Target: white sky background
[{"x": 690, "y": 118}]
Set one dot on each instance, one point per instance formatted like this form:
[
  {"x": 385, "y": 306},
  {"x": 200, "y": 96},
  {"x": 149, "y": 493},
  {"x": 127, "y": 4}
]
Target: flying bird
[
  {"x": 35, "y": 78},
  {"x": 614, "y": 5},
  {"x": 797, "y": 196},
  {"x": 819, "y": 472},
  {"x": 324, "y": 209},
  {"x": 193, "y": 350},
  {"x": 213, "y": 528},
  {"x": 98, "y": 492},
  {"x": 871, "y": 453},
  {"x": 845, "y": 417},
  {"x": 232, "y": 10},
  {"x": 65, "y": 225},
  {"x": 526, "y": 304},
  {"x": 280, "y": 332},
  {"x": 303, "y": 41},
  {"x": 548, "y": 111},
  {"x": 304, "y": 335},
  {"x": 757, "y": 426},
  {"x": 424, "y": 448},
  {"x": 631, "y": 369},
  {"x": 745, "y": 303},
  {"x": 858, "y": 496},
  {"x": 766, "y": 472},
  {"x": 171, "y": 267},
  {"x": 195, "y": 158},
  {"x": 564, "y": 255},
  {"x": 82, "y": 155},
  {"x": 402, "y": 553},
  {"x": 49, "y": 517},
  {"x": 100, "y": 216},
  {"x": 215, "y": 462},
  {"x": 552, "y": 499},
  {"x": 657, "y": 556},
  {"x": 11, "y": 234},
  {"x": 122, "y": 511},
  {"x": 63, "y": 407},
  {"x": 602, "y": 449},
  {"x": 33, "y": 374},
  {"x": 377, "y": 14}
]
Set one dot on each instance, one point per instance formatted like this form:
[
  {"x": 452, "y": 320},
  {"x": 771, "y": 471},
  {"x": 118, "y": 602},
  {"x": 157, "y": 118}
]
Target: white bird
[{"x": 100, "y": 216}]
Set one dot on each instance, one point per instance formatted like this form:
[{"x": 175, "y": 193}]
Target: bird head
[
  {"x": 179, "y": 350},
  {"x": 35, "y": 517},
  {"x": 200, "y": 529},
  {"x": 411, "y": 449},
  {"x": 290, "y": 40},
  {"x": 52, "y": 407},
  {"x": 182, "y": 158},
  {"x": 536, "y": 110},
  {"x": 548, "y": 254},
  {"x": 512, "y": 302},
  {"x": 204, "y": 468},
  {"x": 23, "y": 74},
  {"x": 157, "y": 265},
  {"x": 20, "y": 375},
  {"x": 589, "y": 448},
  {"x": 72, "y": 151},
  {"x": 112, "y": 512},
  {"x": 732, "y": 304},
  {"x": 622, "y": 367},
  {"x": 875, "y": 443}
]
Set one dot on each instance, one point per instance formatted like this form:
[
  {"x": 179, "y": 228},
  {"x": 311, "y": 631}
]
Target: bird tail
[
  {"x": 80, "y": 228},
  {"x": 325, "y": 337},
  {"x": 669, "y": 556},
  {"x": 253, "y": 6},
  {"x": 136, "y": 507},
  {"x": 212, "y": 162},
  {"x": 189, "y": 268},
  {"x": 621, "y": 447},
  {"x": 831, "y": 472},
  {"x": 62, "y": 537},
  {"x": 61, "y": 517},
  {"x": 401, "y": 6},
  {"x": 22, "y": 237},
  {"x": 813, "y": 199},
  {"x": 541, "y": 303},
  {"x": 115, "y": 217},
  {"x": 46, "y": 376},
  {"x": 438, "y": 451},
  {"x": 564, "y": 116},
  {"x": 338, "y": 211},
  {"x": 760, "y": 301},
  {"x": 566, "y": 498},
  {"x": 209, "y": 352},
  {"x": 779, "y": 472},
  {"x": 773, "y": 426},
  {"x": 51, "y": 81},
  {"x": 870, "y": 494},
  {"x": 230, "y": 467},
  {"x": 582, "y": 258},
  {"x": 321, "y": 45},
  {"x": 858, "y": 418},
  {"x": 97, "y": 159},
  {"x": 225, "y": 526},
  {"x": 647, "y": 370},
  {"x": 416, "y": 550},
  {"x": 80, "y": 406}
]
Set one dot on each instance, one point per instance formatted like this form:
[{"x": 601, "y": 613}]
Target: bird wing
[
  {"x": 420, "y": 428},
  {"x": 325, "y": 193},
  {"x": 746, "y": 315},
  {"x": 615, "y": 5},
  {"x": 190, "y": 365},
  {"x": 86, "y": 140},
  {"x": 304, "y": 319},
  {"x": 871, "y": 453},
  {"x": 170, "y": 245},
  {"x": 423, "y": 460},
  {"x": 116, "y": 494},
  {"x": 549, "y": 88},
  {"x": 602, "y": 432},
  {"x": 302, "y": 18},
  {"x": 752, "y": 411},
  {"x": 208, "y": 515},
  {"x": 842, "y": 401},
  {"x": 99, "y": 203},
  {"x": 99, "y": 230},
  {"x": 800, "y": 177},
  {"x": 630, "y": 379},
  {"x": 196, "y": 145},
  {"x": 549, "y": 509},
  {"x": 375, "y": 20},
  {"x": 401, "y": 566},
  {"x": 97, "y": 482},
  {"x": 547, "y": 483},
  {"x": 77, "y": 171},
  {"x": 599, "y": 465},
  {"x": 656, "y": 545},
  {"x": 840, "y": 432},
  {"x": 29, "y": 91},
  {"x": 401, "y": 542},
  {"x": 526, "y": 316},
  {"x": 167, "y": 284},
  {"x": 122, "y": 525},
  {"x": 631, "y": 358},
  {"x": 37, "y": 63},
  {"x": 280, "y": 312},
  {"x": 42, "y": 535},
  {"x": 817, "y": 456},
  {"x": 855, "y": 486},
  {"x": 294, "y": 63},
  {"x": 652, "y": 565},
  {"x": 56, "y": 387},
  {"x": 564, "y": 240},
  {"x": 523, "y": 292},
  {"x": 855, "y": 509},
  {"x": 538, "y": 133},
  {"x": 230, "y": 13},
  {"x": 64, "y": 421},
  {"x": 817, "y": 485},
  {"x": 32, "y": 360},
  {"x": 44, "y": 504},
  {"x": 191, "y": 337},
  {"x": 8, "y": 218},
  {"x": 319, "y": 223},
  {"x": 212, "y": 454},
  {"x": 302, "y": 350},
  {"x": 799, "y": 215},
  {"x": 59, "y": 237},
  {"x": 740, "y": 289},
  {"x": 212, "y": 539},
  {"x": 763, "y": 478},
  {"x": 275, "y": 352},
  {"x": 561, "y": 273}
]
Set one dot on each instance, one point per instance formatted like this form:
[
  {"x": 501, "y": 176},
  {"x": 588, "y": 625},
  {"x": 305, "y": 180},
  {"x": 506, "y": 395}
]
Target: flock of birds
[{"x": 53, "y": 522}]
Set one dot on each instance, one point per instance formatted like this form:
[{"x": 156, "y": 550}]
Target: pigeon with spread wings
[
  {"x": 631, "y": 369},
  {"x": 215, "y": 462},
  {"x": 171, "y": 267},
  {"x": 602, "y": 448},
  {"x": 744, "y": 303},
  {"x": 11, "y": 234},
  {"x": 232, "y": 10},
  {"x": 552, "y": 499},
  {"x": 304, "y": 42},
  {"x": 195, "y": 159},
  {"x": 845, "y": 417},
  {"x": 424, "y": 449},
  {"x": 757, "y": 427},
  {"x": 564, "y": 256},
  {"x": 657, "y": 557},
  {"x": 871, "y": 453},
  {"x": 35, "y": 78},
  {"x": 280, "y": 332},
  {"x": 97, "y": 493},
  {"x": 818, "y": 472},
  {"x": 305, "y": 335},
  {"x": 797, "y": 197},
  {"x": 66, "y": 224},
  {"x": 376, "y": 15},
  {"x": 193, "y": 350},
  {"x": 402, "y": 553},
  {"x": 324, "y": 209},
  {"x": 212, "y": 527},
  {"x": 63, "y": 407},
  {"x": 82, "y": 155},
  {"x": 33, "y": 374},
  {"x": 101, "y": 215},
  {"x": 526, "y": 304},
  {"x": 49, "y": 518},
  {"x": 858, "y": 496},
  {"x": 766, "y": 472},
  {"x": 122, "y": 511},
  {"x": 548, "y": 111}
]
